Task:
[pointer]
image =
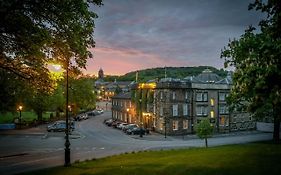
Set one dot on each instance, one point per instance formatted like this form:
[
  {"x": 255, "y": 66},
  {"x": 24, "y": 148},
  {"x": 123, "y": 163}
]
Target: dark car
[
  {"x": 60, "y": 126},
  {"x": 136, "y": 131}
]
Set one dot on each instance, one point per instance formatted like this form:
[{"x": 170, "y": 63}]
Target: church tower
[{"x": 101, "y": 74}]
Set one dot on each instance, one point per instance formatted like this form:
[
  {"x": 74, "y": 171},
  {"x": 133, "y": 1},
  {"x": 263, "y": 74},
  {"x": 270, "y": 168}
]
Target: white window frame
[
  {"x": 185, "y": 109},
  {"x": 174, "y": 95},
  {"x": 175, "y": 110},
  {"x": 161, "y": 111}
]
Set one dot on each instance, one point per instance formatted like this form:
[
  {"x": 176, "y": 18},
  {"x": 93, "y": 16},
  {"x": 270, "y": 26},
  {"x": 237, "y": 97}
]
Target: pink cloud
[{"x": 119, "y": 61}]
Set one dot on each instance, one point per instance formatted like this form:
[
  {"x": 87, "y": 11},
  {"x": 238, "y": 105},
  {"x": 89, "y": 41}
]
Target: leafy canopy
[
  {"x": 35, "y": 32},
  {"x": 204, "y": 129},
  {"x": 256, "y": 58}
]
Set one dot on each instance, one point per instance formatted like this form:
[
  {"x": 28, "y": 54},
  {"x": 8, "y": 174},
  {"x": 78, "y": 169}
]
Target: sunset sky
[{"x": 137, "y": 34}]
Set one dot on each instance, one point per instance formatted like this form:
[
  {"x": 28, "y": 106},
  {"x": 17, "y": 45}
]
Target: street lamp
[
  {"x": 127, "y": 114},
  {"x": 57, "y": 68},
  {"x": 140, "y": 117},
  {"x": 67, "y": 143},
  {"x": 20, "y": 109}
]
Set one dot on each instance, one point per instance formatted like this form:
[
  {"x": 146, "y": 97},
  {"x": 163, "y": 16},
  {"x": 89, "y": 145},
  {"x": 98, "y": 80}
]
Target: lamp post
[
  {"x": 127, "y": 114},
  {"x": 57, "y": 68},
  {"x": 67, "y": 143},
  {"x": 20, "y": 109},
  {"x": 141, "y": 117}
]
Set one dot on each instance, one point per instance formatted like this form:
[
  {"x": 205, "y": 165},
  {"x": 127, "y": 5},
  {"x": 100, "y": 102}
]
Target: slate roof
[{"x": 126, "y": 95}]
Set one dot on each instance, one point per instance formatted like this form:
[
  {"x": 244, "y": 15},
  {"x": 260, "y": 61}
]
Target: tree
[
  {"x": 81, "y": 94},
  {"x": 204, "y": 130},
  {"x": 256, "y": 58},
  {"x": 33, "y": 33}
]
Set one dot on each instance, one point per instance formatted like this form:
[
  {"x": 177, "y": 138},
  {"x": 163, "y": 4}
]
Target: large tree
[
  {"x": 256, "y": 56},
  {"x": 35, "y": 32}
]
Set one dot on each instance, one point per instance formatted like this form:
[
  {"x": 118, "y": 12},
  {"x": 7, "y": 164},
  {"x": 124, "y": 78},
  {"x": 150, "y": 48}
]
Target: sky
[{"x": 132, "y": 35}]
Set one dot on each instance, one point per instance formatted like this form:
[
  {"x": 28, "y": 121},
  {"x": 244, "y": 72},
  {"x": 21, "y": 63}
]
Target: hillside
[{"x": 173, "y": 72}]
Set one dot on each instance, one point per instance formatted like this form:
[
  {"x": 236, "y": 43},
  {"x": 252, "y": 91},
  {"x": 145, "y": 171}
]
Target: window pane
[
  {"x": 185, "y": 109},
  {"x": 175, "y": 110}
]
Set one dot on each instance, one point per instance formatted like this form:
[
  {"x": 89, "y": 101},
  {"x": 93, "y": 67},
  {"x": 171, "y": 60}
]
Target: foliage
[
  {"x": 204, "y": 130},
  {"x": 256, "y": 58},
  {"x": 34, "y": 33},
  {"x": 143, "y": 99},
  {"x": 150, "y": 96},
  {"x": 174, "y": 72},
  {"x": 258, "y": 159},
  {"x": 81, "y": 94}
]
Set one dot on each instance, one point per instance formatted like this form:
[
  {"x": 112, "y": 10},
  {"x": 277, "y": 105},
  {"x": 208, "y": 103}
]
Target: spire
[{"x": 165, "y": 72}]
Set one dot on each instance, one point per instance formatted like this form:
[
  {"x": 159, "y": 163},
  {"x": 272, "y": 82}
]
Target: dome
[{"x": 207, "y": 76}]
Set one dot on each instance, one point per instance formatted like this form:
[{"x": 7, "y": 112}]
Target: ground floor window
[
  {"x": 224, "y": 121},
  {"x": 175, "y": 125},
  {"x": 185, "y": 124}
]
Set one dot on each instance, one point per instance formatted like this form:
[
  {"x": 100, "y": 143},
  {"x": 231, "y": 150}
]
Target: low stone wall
[{"x": 265, "y": 127}]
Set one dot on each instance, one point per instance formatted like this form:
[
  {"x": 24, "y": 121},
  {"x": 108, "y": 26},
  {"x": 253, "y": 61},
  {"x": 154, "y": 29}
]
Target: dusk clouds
[{"x": 138, "y": 34}]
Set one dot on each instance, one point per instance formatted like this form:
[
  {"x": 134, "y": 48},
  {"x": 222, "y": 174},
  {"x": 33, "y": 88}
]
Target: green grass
[
  {"x": 256, "y": 158},
  {"x": 26, "y": 116}
]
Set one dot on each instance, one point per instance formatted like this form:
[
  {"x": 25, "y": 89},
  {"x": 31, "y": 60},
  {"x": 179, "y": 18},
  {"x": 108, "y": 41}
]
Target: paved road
[{"x": 36, "y": 149}]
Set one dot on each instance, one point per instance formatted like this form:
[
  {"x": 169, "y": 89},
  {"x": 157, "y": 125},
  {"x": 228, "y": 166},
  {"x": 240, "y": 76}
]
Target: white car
[{"x": 121, "y": 125}]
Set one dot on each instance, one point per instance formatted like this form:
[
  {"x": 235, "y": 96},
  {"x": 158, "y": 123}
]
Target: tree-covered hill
[{"x": 173, "y": 72}]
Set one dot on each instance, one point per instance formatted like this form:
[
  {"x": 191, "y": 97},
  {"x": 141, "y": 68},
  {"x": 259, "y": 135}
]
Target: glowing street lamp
[
  {"x": 127, "y": 114},
  {"x": 20, "y": 109},
  {"x": 56, "y": 68}
]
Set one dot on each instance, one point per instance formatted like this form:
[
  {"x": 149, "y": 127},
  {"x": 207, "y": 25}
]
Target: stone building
[
  {"x": 122, "y": 108},
  {"x": 173, "y": 106}
]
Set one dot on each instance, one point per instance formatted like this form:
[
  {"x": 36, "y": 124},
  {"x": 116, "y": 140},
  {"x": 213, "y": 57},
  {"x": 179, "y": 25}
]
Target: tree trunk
[
  {"x": 276, "y": 131},
  {"x": 39, "y": 114},
  {"x": 206, "y": 142}
]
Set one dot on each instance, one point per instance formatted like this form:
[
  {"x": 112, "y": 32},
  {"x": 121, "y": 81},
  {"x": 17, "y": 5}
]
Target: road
[{"x": 92, "y": 139}]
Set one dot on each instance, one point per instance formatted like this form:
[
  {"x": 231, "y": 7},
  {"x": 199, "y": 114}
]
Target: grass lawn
[
  {"x": 26, "y": 116},
  {"x": 249, "y": 159}
]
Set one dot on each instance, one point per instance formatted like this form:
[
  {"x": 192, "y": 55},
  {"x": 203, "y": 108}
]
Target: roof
[
  {"x": 126, "y": 95},
  {"x": 207, "y": 76}
]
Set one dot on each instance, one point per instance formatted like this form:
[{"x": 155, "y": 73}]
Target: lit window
[
  {"x": 161, "y": 95},
  {"x": 222, "y": 121},
  {"x": 185, "y": 124},
  {"x": 175, "y": 125},
  {"x": 212, "y": 113},
  {"x": 212, "y": 102},
  {"x": 186, "y": 95}
]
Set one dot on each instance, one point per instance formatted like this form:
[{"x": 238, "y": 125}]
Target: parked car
[
  {"x": 129, "y": 126},
  {"x": 100, "y": 111},
  {"x": 115, "y": 123},
  {"x": 109, "y": 122},
  {"x": 60, "y": 126},
  {"x": 136, "y": 131},
  {"x": 121, "y": 125}
]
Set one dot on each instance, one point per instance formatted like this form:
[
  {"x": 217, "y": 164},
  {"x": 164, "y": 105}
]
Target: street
[{"x": 92, "y": 139}]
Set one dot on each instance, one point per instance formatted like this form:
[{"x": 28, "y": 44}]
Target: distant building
[
  {"x": 123, "y": 108},
  {"x": 105, "y": 90},
  {"x": 174, "y": 106},
  {"x": 100, "y": 74}
]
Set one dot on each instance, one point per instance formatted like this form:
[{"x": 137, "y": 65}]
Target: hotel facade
[{"x": 174, "y": 106}]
